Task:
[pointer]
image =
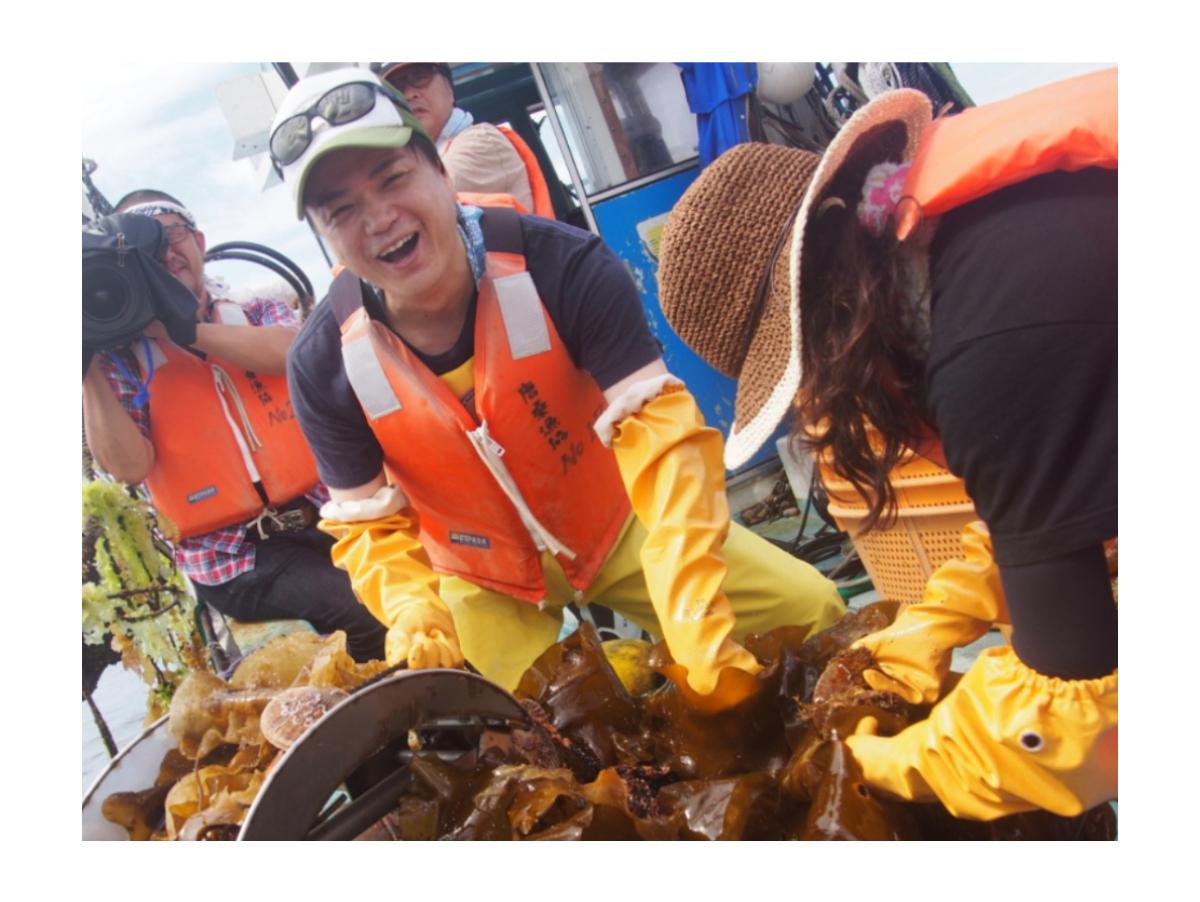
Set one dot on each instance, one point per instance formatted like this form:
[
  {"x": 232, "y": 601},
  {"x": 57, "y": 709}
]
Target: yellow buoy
[{"x": 629, "y": 658}]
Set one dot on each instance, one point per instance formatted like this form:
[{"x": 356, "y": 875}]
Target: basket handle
[{"x": 962, "y": 507}]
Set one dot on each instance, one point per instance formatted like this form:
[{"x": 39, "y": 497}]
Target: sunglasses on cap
[
  {"x": 338, "y": 106},
  {"x": 415, "y": 75}
]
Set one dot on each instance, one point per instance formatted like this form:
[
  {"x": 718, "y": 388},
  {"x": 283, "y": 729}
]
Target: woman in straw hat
[{"x": 947, "y": 286}]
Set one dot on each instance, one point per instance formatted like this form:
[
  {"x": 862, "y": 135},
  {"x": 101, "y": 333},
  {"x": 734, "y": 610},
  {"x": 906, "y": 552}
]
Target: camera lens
[
  {"x": 106, "y": 293},
  {"x": 116, "y": 300}
]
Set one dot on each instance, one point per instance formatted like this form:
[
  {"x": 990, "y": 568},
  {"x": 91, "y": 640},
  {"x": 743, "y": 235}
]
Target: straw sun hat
[{"x": 732, "y": 255}]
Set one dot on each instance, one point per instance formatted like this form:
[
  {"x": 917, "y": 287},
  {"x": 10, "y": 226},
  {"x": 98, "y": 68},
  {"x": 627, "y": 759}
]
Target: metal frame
[
  {"x": 657, "y": 176},
  {"x": 561, "y": 137},
  {"x": 373, "y": 721},
  {"x": 112, "y": 765}
]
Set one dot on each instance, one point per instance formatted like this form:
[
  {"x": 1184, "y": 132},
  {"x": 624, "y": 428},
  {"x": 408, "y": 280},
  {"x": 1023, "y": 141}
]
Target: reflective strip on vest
[
  {"x": 160, "y": 357},
  {"x": 230, "y": 313},
  {"x": 365, "y": 373},
  {"x": 523, "y": 314}
]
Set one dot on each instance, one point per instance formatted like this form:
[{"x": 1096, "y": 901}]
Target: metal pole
[
  {"x": 287, "y": 73},
  {"x": 556, "y": 126},
  {"x": 99, "y": 202},
  {"x": 105, "y": 734}
]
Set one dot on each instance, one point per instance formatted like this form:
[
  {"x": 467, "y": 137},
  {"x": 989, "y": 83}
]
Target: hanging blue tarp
[{"x": 716, "y": 93}]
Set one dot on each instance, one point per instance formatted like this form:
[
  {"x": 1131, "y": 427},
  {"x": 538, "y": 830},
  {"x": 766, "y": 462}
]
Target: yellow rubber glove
[
  {"x": 671, "y": 465},
  {"x": 391, "y": 574},
  {"x": 1006, "y": 739},
  {"x": 962, "y": 600}
]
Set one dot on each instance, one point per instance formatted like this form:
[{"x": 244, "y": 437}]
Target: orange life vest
[
  {"x": 481, "y": 199},
  {"x": 217, "y": 430},
  {"x": 537, "y": 182},
  {"x": 538, "y": 189},
  {"x": 526, "y": 470},
  {"x": 1066, "y": 126}
]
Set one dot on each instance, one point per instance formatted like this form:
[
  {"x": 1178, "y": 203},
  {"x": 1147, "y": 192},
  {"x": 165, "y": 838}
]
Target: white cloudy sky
[{"x": 159, "y": 125}]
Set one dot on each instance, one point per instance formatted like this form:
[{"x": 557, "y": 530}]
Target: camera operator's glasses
[
  {"x": 414, "y": 75},
  {"x": 176, "y": 233},
  {"x": 343, "y": 104}
]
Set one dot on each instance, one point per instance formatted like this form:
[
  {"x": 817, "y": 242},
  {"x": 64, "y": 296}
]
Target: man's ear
[{"x": 201, "y": 241}]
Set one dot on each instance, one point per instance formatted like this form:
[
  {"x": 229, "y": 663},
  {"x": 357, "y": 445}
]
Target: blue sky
[{"x": 159, "y": 125}]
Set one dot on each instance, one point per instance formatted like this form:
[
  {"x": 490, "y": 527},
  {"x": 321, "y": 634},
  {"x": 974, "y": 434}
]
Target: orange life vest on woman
[
  {"x": 1066, "y": 126},
  {"x": 525, "y": 471},
  {"x": 542, "y": 205},
  {"x": 218, "y": 429}
]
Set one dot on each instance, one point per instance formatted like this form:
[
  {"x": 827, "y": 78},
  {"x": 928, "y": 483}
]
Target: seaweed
[{"x": 597, "y": 763}]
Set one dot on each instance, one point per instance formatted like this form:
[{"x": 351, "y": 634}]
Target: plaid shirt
[{"x": 218, "y": 556}]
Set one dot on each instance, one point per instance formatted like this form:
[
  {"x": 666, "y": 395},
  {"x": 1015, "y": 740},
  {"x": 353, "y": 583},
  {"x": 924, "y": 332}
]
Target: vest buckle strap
[
  {"x": 295, "y": 517},
  {"x": 367, "y": 378}
]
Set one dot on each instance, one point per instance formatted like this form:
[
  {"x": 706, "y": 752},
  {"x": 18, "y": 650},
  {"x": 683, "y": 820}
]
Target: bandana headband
[{"x": 159, "y": 207}]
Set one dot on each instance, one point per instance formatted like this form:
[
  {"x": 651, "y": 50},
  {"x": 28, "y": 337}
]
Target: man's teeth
[{"x": 403, "y": 242}]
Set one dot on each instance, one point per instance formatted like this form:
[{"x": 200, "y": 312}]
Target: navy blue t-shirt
[{"x": 589, "y": 295}]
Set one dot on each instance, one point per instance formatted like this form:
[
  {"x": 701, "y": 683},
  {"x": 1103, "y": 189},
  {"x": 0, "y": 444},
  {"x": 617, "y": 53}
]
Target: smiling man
[
  {"x": 198, "y": 409},
  {"x": 497, "y": 427}
]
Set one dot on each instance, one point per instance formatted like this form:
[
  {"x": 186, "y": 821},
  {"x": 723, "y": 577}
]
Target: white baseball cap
[{"x": 387, "y": 124}]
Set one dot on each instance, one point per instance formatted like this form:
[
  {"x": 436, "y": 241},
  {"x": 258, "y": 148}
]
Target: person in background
[
  {"x": 481, "y": 158},
  {"x": 157, "y": 412},
  {"x": 948, "y": 286}
]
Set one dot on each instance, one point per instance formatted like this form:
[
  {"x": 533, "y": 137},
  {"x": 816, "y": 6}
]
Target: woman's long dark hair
[{"x": 859, "y": 364}]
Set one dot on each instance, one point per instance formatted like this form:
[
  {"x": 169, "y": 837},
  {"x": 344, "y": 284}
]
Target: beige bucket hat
[{"x": 732, "y": 255}]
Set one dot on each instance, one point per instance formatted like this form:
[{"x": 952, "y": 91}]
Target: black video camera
[{"x": 125, "y": 286}]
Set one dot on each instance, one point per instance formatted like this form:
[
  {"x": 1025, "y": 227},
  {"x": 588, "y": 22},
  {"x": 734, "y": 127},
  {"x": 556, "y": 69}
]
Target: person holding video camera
[{"x": 186, "y": 392}]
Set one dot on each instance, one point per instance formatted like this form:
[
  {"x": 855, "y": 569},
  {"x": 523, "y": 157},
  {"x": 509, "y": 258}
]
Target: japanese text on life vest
[{"x": 550, "y": 427}]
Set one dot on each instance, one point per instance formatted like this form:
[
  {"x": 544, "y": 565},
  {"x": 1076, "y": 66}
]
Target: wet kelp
[
  {"x": 595, "y": 762},
  {"x": 599, "y": 763}
]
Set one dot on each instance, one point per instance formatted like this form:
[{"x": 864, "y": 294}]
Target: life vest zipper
[{"x": 490, "y": 452}]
